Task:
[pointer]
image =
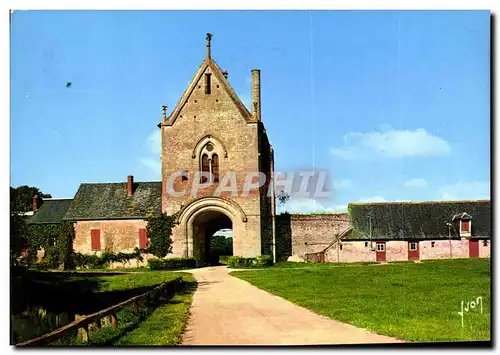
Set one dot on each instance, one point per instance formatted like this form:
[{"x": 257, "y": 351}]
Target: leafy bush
[
  {"x": 159, "y": 229},
  {"x": 223, "y": 259},
  {"x": 172, "y": 263},
  {"x": 93, "y": 261},
  {"x": 240, "y": 262}
]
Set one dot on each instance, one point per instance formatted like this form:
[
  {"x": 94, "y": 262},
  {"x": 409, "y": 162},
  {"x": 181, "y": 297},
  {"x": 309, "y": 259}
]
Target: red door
[
  {"x": 380, "y": 250},
  {"x": 473, "y": 248},
  {"x": 413, "y": 251}
]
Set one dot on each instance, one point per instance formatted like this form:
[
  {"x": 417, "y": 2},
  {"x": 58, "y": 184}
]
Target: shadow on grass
[
  {"x": 64, "y": 292},
  {"x": 105, "y": 336}
]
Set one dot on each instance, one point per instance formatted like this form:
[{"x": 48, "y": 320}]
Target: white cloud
[
  {"x": 341, "y": 184},
  {"x": 389, "y": 143},
  {"x": 154, "y": 141},
  {"x": 309, "y": 205},
  {"x": 373, "y": 199},
  {"x": 465, "y": 190},
  {"x": 417, "y": 182},
  {"x": 337, "y": 209},
  {"x": 153, "y": 164},
  {"x": 302, "y": 205}
]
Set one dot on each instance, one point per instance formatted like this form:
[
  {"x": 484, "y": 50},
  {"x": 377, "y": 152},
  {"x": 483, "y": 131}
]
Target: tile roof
[
  {"x": 51, "y": 211},
  {"x": 110, "y": 201},
  {"x": 421, "y": 220}
]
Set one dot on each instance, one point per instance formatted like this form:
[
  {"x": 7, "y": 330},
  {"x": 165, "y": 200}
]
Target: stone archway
[
  {"x": 205, "y": 225},
  {"x": 207, "y": 214}
]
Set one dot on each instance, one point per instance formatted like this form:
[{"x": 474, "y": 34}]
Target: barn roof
[
  {"x": 51, "y": 211},
  {"x": 110, "y": 201},
  {"x": 416, "y": 220}
]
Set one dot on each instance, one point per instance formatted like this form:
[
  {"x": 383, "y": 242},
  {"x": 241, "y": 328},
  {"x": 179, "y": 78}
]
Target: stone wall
[
  {"x": 360, "y": 251},
  {"x": 308, "y": 233},
  {"x": 116, "y": 235},
  {"x": 444, "y": 249},
  {"x": 352, "y": 251},
  {"x": 484, "y": 250}
]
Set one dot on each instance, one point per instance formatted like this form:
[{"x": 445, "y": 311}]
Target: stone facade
[
  {"x": 352, "y": 251},
  {"x": 216, "y": 118},
  {"x": 305, "y": 234},
  {"x": 360, "y": 251},
  {"x": 116, "y": 235}
]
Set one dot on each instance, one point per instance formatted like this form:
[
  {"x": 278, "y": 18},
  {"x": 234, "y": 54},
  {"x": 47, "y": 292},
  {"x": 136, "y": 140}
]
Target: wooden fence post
[
  {"x": 83, "y": 331},
  {"x": 114, "y": 320}
]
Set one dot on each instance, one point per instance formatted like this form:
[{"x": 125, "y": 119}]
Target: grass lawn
[
  {"x": 411, "y": 301},
  {"x": 160, "y": 324},
  {"x": 134, "y": 280}
]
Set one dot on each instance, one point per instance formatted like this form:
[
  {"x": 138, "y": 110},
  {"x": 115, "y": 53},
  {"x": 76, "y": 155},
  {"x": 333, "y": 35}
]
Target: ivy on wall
[
  {"x": 56, "y": 240},
  {"x": 159, "y": 229}
]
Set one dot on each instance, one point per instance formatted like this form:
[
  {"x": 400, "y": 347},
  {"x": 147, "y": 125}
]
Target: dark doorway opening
[{"x": 214, "y": 233}]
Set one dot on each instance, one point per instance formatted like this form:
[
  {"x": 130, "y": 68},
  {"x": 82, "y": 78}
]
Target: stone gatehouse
[{"x": 211, "y": 131}]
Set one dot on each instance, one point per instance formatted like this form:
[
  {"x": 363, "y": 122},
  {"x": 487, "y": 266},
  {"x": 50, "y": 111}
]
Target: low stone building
[
  {"x": 48, "y": 211},
  {"x": 112, "y": 216},
  {"x": 398, "y": 231}
]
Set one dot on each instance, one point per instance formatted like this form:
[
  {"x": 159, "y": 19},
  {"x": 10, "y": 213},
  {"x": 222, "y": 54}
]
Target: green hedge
[
  {"x": 223, "y": 259},
  {"x": 93, "y": 261},
  {"x": 172, "y": 263},
  {"x": 240, "y": 262}
]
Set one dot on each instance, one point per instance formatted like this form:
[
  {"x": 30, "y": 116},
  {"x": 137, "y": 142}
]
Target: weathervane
[
  {"x": 209, "y": 38},
  {"x": 164, "y": 107}
]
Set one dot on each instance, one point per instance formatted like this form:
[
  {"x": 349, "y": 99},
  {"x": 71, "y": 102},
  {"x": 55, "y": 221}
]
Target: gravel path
[{"x": 230, "y": 311}]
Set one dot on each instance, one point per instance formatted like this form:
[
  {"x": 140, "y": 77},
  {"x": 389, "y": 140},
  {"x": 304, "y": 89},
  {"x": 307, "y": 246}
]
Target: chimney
[
  {"x": 256, "y": 93},
  {"x": 35, "y": 203},
  {"x": 130, "y": 185}
]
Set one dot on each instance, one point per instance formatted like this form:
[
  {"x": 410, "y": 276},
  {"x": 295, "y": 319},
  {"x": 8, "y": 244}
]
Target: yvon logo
[{"x": 470, "y": 306}]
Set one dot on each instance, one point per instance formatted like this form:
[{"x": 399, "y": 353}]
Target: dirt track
[{"x": 230, "y": 311}]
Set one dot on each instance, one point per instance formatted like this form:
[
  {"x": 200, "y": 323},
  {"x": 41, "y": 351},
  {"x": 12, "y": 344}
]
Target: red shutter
[
  {"x": 96, "y": 239},
  {"x": 465, "y": 226},
  {"x": 143, "y": 239}
]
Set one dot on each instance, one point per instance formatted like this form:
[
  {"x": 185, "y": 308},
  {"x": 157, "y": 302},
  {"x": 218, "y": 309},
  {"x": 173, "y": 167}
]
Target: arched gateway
[{"x": 211, "y": 131}]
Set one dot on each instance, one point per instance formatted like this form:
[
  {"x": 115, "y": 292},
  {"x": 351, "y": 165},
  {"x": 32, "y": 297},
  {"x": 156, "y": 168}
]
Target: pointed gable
[{"x": 209, "y": 66}]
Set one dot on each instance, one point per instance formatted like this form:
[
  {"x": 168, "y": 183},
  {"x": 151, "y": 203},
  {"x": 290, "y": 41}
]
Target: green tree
[
  {"x": 18, "y": 239},
  {"x": 282, "y": 198},
  {"x": 21, "y": 200},
  {"x": 21, "y": 197}
]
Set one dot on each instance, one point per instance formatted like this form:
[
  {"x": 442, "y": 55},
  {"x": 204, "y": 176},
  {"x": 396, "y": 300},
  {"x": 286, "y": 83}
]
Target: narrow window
[
  {"x": 380, "y": 246},
  {"x": 205, "y": 167},
  {"x": 143, "y": 239},
  {"x": 413, "y": 246},
  {"x": 95, "y": 236},
  {"x": 215, "y": 167},
  {"x": 465, "y": 226},
  {"x": 485, "y": 243},
  {"x": 432, "y": 244},
  {"x": 208, "y": 88},
  {"x": 340, "y": 246},
  {"x": 366, "y": 244}
]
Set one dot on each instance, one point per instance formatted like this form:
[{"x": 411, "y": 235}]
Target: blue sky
[{"x": 394, "y": 105}]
